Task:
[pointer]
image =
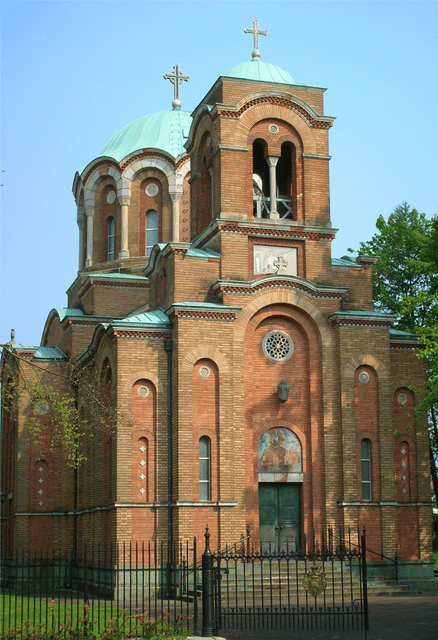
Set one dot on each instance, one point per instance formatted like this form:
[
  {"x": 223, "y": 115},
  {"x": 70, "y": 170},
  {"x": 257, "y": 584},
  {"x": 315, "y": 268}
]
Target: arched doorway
[{"x": 280, "y": 478}]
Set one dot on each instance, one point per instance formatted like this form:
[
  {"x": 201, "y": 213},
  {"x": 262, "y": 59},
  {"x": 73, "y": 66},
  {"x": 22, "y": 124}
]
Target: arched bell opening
[{"x": 260, "y": 177}]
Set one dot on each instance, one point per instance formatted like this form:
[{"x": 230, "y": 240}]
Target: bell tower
[{"x": 259, "y": 159}]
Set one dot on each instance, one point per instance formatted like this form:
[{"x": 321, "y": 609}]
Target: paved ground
[{"x": 400, "y": 618}]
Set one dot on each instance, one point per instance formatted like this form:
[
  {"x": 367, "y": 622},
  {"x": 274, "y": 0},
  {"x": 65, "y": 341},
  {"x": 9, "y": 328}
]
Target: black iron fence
[
  {"x": 319, "y": 584},
  {"x": 129, "y": 586}
]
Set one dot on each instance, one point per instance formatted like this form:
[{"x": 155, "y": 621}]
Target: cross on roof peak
[
  {"x": 176, "y": 77},
  {"x": 257, "y": 32}
]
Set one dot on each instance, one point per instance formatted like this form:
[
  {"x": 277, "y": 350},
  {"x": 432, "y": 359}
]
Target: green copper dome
[
  {"x": 257, "y": 69},
  {"x": 164, "y": 130}
]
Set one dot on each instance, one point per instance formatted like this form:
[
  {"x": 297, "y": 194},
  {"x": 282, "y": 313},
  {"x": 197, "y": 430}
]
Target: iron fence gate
[{"x": 321, "y": 587}]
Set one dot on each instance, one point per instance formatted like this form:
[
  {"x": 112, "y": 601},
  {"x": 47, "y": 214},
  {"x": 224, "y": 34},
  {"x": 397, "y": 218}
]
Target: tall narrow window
[
  {"x": 151, "y": 230},
  {"x": 365, "y": 463},
  {"x": 111, "y": 237},
  {"x": 204, "y": 468}
]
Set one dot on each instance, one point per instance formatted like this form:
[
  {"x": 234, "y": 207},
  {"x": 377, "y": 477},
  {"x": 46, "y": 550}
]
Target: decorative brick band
[
  {"x": 293, "y": 232},
  {"x": 154, "y": 154},
  {"x": 403, "y": 346},
  {"x": 204, "y": 315},
  {"x": 275, "y": 100},
  {"x": 342, "y": 322},
  {"x": 141, "y": 334}
]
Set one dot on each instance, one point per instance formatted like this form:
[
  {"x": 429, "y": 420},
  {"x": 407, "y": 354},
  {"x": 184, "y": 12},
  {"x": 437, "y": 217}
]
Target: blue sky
[{"x": 74, "y": 73}]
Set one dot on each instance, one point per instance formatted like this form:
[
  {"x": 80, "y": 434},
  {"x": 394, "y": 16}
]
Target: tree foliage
[
  {"x": 404, "y": 278},
  {"x": 77, "y": 405}
]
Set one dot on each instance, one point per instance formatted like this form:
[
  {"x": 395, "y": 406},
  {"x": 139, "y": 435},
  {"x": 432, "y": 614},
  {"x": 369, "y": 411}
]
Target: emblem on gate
[{"x": 314, "y": 581}]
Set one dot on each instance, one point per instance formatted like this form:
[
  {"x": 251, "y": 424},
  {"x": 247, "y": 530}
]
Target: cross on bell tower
[
  {"x": 257, "y": 32},
  {"x": 176, "y": 77}
]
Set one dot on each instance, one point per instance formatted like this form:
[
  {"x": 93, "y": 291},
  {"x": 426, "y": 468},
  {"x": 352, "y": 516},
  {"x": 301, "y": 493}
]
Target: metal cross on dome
[
  {"x": 176, "y": 77},
  {"x": 257, "y": 32}
]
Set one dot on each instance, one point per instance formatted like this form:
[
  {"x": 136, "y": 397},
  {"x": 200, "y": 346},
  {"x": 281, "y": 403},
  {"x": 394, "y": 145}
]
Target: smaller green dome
[
  {"x": 257, "y": 69},
  {"x": 164, "y": 130}
]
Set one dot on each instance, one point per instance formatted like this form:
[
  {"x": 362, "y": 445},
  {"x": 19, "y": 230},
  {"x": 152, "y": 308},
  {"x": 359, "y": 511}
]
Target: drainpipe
[
  {"x": 75, "y": 483},
  {"x": 168, "y": 347}
]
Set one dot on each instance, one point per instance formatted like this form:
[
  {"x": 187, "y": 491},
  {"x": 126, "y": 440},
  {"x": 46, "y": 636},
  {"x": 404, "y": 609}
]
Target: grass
[{"x": 42, "y": 618}]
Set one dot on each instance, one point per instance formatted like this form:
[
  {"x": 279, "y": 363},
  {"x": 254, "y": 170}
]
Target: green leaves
[{"x": 404, "y": 276}]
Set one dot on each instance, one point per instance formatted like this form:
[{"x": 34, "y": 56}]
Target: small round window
[{"x": 277, "y": 346}]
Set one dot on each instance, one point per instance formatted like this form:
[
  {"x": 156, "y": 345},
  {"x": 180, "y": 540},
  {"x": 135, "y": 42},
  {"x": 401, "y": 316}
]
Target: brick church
[{"x": 253, "y": 382}]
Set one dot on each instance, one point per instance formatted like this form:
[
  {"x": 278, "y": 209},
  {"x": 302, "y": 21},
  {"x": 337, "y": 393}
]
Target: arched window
[
  {"x": 204, "y": 469},
  {"x": 151, "y": 230},
  {"x": 111, "y": 238},
  {"x": 365, "y": 463}
]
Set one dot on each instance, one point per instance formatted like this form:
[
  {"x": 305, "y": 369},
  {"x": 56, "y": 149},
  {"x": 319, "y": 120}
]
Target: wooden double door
[{"x": 280, "y": 515}]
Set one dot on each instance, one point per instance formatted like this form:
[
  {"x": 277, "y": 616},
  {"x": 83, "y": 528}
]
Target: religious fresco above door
[{"x": 279, "y": 456}]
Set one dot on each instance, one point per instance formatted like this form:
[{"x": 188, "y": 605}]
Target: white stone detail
[
  {"x": 40, "y": 480},
  {"x": 42, "y": 408},
  {"x": 40, "y": 469},
  {"x": 41, "y": 503},
  {"x": 402, "y": 398},
  {"x": 142, "y": 490},
  {"x": 142, "y": 448},
  {"x": 404, "y": 490},
  {"x": 142, "y": 462},
  {"x": 277, "y": 346},
  {"x": 111, "y": 196},
  {"x": 404, "y": 477},
  {"x": 204, "y": 372},
  {"x": 151, "y": 190},
  {"x": 40, "y": 492},
  {"x": 403, "y": 464},
  {"x": 273, "y": 128},
  {"x": 142, "y": 477},
  {"x": 143, "y": 392},
  {"x": 364, "y": 377}
]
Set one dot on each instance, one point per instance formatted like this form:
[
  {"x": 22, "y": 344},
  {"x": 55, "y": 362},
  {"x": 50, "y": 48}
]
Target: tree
[{"x": 405, "y": 284}]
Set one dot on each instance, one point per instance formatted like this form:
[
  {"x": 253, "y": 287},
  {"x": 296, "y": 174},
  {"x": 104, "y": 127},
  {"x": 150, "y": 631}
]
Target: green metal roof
[
  {"x": 257, "y": 69},
  {"x": 403, "y": 335},
  {"x": 157, "y": 317},
  {"x": 346, "y": 261},
  {"x": 164, "y": 130},
  {"x": 203, "y": 253},
  {"x": 42, "y": 353}
]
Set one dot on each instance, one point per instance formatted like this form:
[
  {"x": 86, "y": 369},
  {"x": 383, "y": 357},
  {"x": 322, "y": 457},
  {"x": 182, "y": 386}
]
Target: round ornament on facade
[
  {"x": 278, "y": 346},
  {"x": 364, "y": 377},
  {"x": 273, "y": 128},
  {"x": 151, "y": 190},
  {"x": 111, "y": 197},
  {"x": 143, "y": 392},
  {"x": 402, "y": 398},
  {"x": 42, "y": 408},
  {"x": 204, "y": 372}
]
